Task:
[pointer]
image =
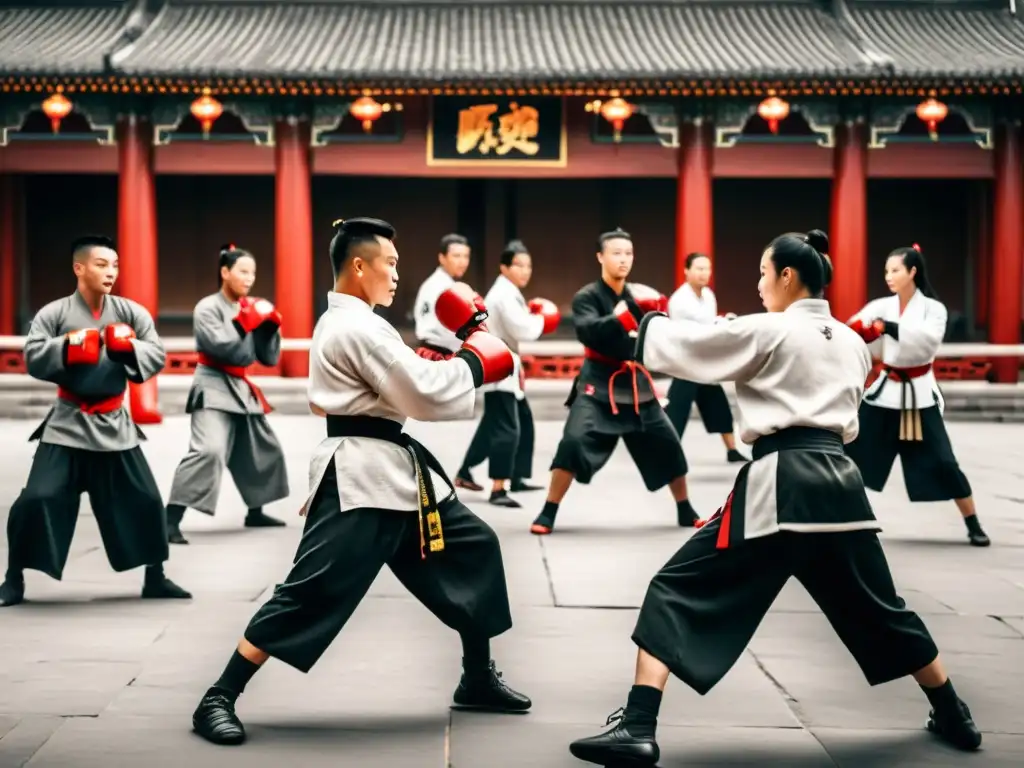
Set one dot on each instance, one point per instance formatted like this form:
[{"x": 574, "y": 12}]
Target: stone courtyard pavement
[{"x": 91, "y": 677}]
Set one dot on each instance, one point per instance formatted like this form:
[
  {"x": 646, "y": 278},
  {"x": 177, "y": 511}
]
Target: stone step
[{"x": 22, "y": 397}]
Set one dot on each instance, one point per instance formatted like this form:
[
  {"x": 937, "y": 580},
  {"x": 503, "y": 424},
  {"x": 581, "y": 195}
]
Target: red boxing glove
[
  {"x": 625, "y": 316},
  {"x": 648, "y": 299},
  {"x": 253, "y": 313},
  {"x": 117, "y": 338},
  {"x": 431, "y": 354},
  {"x": 547, "y": 310},
  {"x": 493, "y": 354},
  {"x": 461, "y": 310},
  {"x": 82, "y": 347},
  {"x": 870, "y": 332}
]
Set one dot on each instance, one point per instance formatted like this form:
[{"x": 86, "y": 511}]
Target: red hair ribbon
[{"x": 916, "y": 247}]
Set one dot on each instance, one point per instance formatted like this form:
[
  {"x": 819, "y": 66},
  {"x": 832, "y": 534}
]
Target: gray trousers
[{"x": 245, "y": 443}]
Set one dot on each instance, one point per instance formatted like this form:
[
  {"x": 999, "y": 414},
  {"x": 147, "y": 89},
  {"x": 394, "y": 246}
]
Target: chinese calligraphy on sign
[
  {"x": 517, "y": 129},
  {"x": 497, "y": 131}
]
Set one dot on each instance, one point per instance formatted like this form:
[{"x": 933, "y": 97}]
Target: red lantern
[
  {"x": 57, "y": 107},
  {"x": 366, "y": 110},
  {"x": 617, "y": 111},
  {"x": 206, "y": 110},
  {"x": 932, "y": 112},
  {"x": 773, "y": 110}
]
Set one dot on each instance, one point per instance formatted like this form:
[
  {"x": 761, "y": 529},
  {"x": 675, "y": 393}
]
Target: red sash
[
  {"x": 236, "y": 372},
  {"x": 630, "y": 367},
  {"x": 109, "y": 405},
  {"x": 896, "y": 374}
]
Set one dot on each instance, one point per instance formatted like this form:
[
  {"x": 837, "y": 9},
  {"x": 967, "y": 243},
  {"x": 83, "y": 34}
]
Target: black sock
[
  {"x": 476, "y": 654},
  {"x": 14, "y": 575},
  {"x": 236, "y": 675},
  {"x": 972, "y": 523},
  {"x": 175, "y": 513},
  {"x": 943, "y": 698},
  {"x": 642, "y": 710},
  {"x": 256, "y": 512},
  {"x": 155, "y": 572},
  {"x": 549, "y": 511}
]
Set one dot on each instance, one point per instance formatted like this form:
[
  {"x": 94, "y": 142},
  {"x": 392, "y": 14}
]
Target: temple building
[{"x": 696, "y": 125}]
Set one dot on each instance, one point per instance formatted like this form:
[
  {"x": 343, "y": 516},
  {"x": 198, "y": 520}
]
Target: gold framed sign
[{"x": 497, "y": 132}]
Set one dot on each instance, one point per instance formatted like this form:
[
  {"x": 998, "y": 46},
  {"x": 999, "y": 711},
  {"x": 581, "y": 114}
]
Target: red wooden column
[
  {"x": 137, "y": 242},
  {"x": 1004, "y": 309},
  {"x": 8, "y": 257},
  {"x": 848, "y": 226},
  {"x": 694, "y": 202},
  {"x": 982, "y": 214},
  {"x": 293, "y": 239}
]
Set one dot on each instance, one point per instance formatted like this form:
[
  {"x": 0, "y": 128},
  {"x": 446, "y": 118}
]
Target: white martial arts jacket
[
  {"x": 359, "y": 366},
  {"x": 685, "y": 304},
  {"x": 922, "y": 327},
  {"x": 509, "y": 318},
  {"x": 428, "y": 327},
  {"x": 801, "y": 367}
]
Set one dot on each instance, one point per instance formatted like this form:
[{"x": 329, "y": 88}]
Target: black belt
[
  {"x": 910, "y": 417},
  {"x": 376, "y": 428},
  {"x": 798, "y": 439}
]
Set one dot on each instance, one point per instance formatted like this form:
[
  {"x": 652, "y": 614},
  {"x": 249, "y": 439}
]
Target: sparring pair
[
  {"x": 91, "y": 345},
  {"x": 229, "y": 425},
  {"x": 695, "y": 301},
  {"x": 798, "y": 509},
  {"x": 902, "y": 410},
  {"x": 613, "y": 396},
  {"x": 505, "y": 436},
  {"x": 377, "y": 497}
]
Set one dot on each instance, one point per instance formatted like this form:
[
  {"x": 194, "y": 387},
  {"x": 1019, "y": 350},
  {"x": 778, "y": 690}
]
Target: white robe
[
  {"x": 509, "y": 318},
  {"x": 359, "y": 366},
  {"x": 795, "y": 368},
  {"x": 685, "y": 304},
  {"x": 922, "y": 327},
  {"x": 428, "y": 327}
]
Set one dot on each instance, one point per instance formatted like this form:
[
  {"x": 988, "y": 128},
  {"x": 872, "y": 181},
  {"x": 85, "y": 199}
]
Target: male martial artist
[
  {"x": 505, "y": 434},
  {"x": 613, "y": 396},
  {"x": 90, "y": 344},
  {"x": 435, "y": 341},
  {"x": 372, "y": 499}
]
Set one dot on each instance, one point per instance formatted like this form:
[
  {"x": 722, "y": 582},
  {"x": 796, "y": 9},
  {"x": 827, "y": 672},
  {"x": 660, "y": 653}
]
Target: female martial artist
[
  {"x": 695, "y": 301},
  {"x": 229, "y": 423},
  {"x": 902, "y": 409},
  {"x": 797, "y": 509}
]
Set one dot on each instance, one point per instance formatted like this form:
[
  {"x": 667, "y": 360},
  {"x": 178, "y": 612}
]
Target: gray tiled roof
[
  {"x": 495, "y": 41},
  {"x": 35, "y": 39},
  {"x": 425, "y": 42},
  {"x": 969, "y": 40}
]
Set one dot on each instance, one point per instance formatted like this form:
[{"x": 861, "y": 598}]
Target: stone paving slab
[{"x": 93, "y": 677}]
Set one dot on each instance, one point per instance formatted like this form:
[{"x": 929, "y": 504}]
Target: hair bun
[
  {"x": 916, "y": 247},
  {"x": 227, "y": 247},
  {"x": 337, "y": 223},
  {"x": 818, "y": 240}
]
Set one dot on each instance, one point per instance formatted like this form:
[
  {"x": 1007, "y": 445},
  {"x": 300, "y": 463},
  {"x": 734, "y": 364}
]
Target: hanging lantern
[
  {"x": 932, "y": 112},
  {"x": 206, "y": 110},
  {"x": 57, "y": 107},
  {"x": 366, "y": 110},
  {"x": 773, "y": 110},
  {"x": 617, "y": 111}
]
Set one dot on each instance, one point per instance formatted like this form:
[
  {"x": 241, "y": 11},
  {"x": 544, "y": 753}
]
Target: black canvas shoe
[
  {"x": 520, "y": 486},
  {"x": 215, "y": 719},
  {"x": 164, "y": 589},
  {"x": 257, "y": 519},
  {"x": 12, "y": 591},
  {"x": 735, "y": 457},
  {"x": 955, "y": 727},
  {"x": 617, "y": 747},
  {"x": 487, "y": 691},
  {"x": 502, "y": 499}
]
